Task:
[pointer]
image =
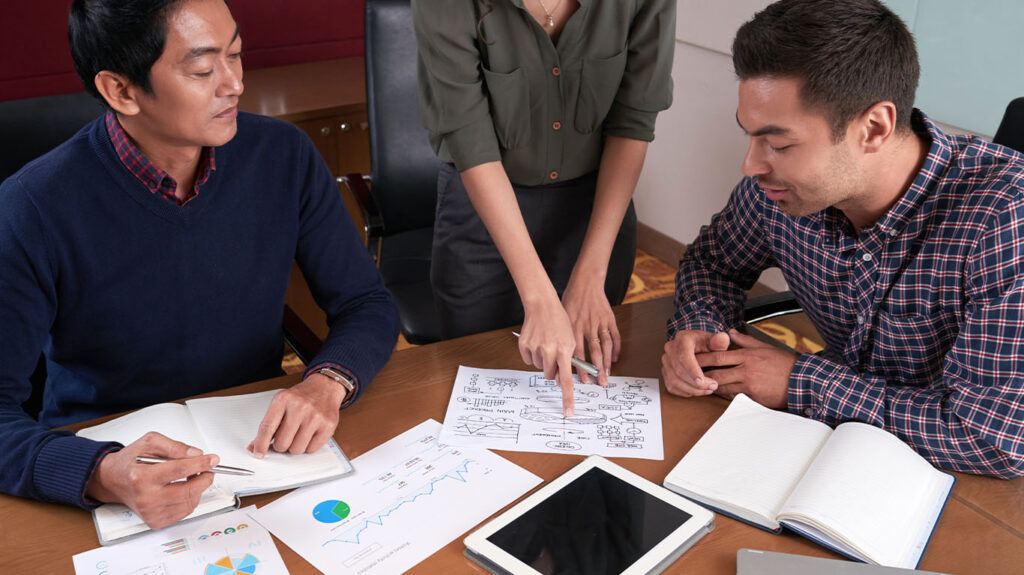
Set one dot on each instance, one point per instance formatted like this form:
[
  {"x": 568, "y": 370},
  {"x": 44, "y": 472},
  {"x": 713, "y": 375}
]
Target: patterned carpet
[{"x": 654, "y": 278}]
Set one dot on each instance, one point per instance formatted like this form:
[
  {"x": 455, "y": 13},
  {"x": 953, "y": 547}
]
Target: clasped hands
[
  {"x": 697, "y": 363},
  {"x": 299, "y": 420}
]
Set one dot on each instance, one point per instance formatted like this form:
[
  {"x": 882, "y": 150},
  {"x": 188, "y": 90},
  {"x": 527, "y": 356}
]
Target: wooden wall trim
[
  {"x": 659, "y": 245},
  {"x": 669, "y": 251}
]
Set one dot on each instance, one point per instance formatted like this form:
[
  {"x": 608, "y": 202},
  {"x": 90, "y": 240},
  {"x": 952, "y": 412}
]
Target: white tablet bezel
[{"x": 700, "y": 520}]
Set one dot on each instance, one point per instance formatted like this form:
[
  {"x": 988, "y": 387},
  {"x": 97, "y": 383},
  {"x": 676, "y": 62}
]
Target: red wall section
[{"x": 34, "y": 57}]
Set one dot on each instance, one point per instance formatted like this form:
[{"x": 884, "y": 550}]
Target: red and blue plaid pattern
[
  {"x": 922, "y": 313},
  {"x": 155, "y": 179}
]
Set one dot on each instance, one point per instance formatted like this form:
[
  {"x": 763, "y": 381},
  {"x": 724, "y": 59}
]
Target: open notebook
[
  {"x": 221, "y": 425},
  {"x": 857, "y": 490}
]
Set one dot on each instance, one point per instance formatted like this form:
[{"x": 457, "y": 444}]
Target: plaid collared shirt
[
  {"x": 155, "y": 179},
  {"x": 922, "y": 313}
]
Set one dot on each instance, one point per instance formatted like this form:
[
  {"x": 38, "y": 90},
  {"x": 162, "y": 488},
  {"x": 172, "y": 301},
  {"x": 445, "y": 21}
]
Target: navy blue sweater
[{"x": 135, "y": 300}]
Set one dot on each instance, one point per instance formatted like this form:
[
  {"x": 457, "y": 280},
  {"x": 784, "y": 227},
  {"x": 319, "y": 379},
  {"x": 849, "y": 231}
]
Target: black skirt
[{"x": 473, "y": 288}]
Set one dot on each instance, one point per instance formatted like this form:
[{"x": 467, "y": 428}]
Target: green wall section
[{"x": 972, "y": 58}]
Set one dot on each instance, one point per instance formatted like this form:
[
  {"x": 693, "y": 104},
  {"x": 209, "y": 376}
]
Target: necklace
[{"x": 551, "y": 19}]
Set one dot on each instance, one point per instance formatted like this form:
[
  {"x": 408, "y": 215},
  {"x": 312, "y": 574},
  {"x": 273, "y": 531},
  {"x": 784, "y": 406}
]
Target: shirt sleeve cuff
[
  {"x": 355, "y": 380},
  {"x": 695, "y": 320},
  {"x": 64, "y": 467},
  {"x": 472, "y": 144},
  {"x": 832, "y": 393},
  {"x": 626, "y": 122}
]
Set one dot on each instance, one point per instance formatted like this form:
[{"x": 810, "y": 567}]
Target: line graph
[
  {"x": 353, "y": 534},
  {"x": 486, "y": 426}
]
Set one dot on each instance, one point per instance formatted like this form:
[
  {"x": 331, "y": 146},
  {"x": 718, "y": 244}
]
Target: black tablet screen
[{"x": 596, "y": 524}]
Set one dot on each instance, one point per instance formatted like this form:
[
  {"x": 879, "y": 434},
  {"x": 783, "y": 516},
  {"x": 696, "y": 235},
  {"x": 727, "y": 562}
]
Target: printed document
[
  {"x": 406, "y": 499},
  {"x": 522, "y": 411},
  {"x": 225, "y": 544}
]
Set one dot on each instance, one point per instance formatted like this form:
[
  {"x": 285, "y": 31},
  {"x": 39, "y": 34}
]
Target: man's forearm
[{"x": 953, "y": 425}]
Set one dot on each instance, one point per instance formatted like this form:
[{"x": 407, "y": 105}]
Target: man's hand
[
  {"x": 679, "y": 366},
  {"x": 153, "y": 492},
  {"x": 755, "y": 368},
  {"x": 300, "y": 419}
]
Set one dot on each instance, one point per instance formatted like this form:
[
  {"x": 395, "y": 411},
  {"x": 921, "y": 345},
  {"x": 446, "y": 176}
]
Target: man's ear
[
  {"x": 121, "y": 95},
  {"x": 875, "y": 126}
]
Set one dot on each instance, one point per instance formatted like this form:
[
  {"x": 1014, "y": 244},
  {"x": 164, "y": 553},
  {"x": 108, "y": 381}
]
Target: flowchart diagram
[{"x": 522, "y": 411}]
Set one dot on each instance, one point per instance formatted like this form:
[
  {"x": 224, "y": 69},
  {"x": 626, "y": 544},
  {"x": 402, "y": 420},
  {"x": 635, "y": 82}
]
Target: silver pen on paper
[
  {"x": 584, "y": 365},
  {"x": 225, "y": 469}
]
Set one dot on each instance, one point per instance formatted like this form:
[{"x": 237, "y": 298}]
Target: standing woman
[{"x": 541, "y": 111}]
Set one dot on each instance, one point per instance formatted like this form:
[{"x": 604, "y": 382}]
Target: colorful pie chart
[
  {"x": 233, "y": 566},
  {"x": 331, "y": 511}
]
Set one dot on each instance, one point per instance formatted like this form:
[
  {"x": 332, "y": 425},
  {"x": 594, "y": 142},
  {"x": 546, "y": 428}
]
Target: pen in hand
[
  {"x": 225, "y": 469},
  {"x": 579, "y": 363}
]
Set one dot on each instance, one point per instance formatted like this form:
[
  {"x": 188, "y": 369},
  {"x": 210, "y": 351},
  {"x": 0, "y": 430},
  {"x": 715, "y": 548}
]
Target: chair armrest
[
  {"x": 373, "y": 225},
  {"x": 771, "y": 305},
  {"x": 299, "y": 337}
]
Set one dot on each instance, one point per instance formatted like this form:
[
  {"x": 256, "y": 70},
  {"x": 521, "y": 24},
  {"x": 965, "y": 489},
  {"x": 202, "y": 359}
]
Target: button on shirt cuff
[
  {"x": 836, "y": 392},
  {"x": 802, "y": 399}
]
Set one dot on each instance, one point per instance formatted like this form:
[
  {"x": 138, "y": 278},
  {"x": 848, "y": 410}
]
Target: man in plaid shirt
[{"x": 901, "y": 243}]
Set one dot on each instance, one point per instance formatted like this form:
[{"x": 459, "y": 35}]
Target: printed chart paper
[
  {"x": 226, "y": 544},
  {"x": 407, "y": 498},
  {"x": 522, "y": 411}
]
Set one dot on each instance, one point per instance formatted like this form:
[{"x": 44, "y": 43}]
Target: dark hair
[
  {"x": 850, "y": 55},
  {"x": 484, "y": 7},
  {"x": 122, "y": 36}
]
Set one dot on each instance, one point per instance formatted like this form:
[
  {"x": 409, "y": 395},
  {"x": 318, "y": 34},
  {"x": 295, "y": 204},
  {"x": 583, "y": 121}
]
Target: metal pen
[
  {"x": 577, "y": 362},
  {"x": 225, "y": 469}
]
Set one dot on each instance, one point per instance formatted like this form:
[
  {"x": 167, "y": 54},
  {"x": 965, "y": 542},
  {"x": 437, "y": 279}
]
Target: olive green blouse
[{"x": 542, "y": 109}]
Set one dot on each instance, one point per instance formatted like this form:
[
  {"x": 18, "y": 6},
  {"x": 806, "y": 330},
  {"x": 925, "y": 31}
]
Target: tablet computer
[{"x": 596, "y": 518}]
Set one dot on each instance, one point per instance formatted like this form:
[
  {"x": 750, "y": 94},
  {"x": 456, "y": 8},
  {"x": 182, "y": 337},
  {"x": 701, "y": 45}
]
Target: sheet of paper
[
  {"x": 225, "y": 544},
  {"x": 522, "y": 411},
  {"x": 407, "y": 498}
]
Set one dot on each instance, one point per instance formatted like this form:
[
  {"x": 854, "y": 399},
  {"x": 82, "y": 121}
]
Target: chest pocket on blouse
[
  {"x": 909, "y": 348},
  {"x": 599, "y": 82},
  {"x": 509, "y": 96}
]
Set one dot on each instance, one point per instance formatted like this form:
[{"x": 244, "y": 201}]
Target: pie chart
[
  {"x": 331, "y": 511},
  {"x": 228, "y": 565}
]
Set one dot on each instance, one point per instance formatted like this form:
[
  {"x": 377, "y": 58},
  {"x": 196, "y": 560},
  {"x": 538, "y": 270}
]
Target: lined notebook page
[
  {"x": 229, "y": 424},
  {"x": 113, "y": 520},
  {"x": 875, "y": 491},
  {"x": 752, "y": 457},
  {"x": 169, "y": 419}
]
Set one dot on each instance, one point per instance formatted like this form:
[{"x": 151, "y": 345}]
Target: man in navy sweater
[{"x": 148, "y": 256}]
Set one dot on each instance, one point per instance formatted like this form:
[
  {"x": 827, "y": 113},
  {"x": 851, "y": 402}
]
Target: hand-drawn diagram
[
  {"x": 484, "y": 426},
  {"x": 522, "y": 411},
  {"x": 555, "y": 415}
]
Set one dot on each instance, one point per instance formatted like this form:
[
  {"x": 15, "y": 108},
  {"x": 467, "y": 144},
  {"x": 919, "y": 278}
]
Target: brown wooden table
[{"x": 982, "y": 530}]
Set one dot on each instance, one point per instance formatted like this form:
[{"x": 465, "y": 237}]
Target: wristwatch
[{"x": 342, "y": 379}]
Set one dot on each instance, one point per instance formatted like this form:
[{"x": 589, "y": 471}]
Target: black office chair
[
  {"x": 1009, "y": 134},
  {"x": 34, "y": 126},
  {"x": 1011, "y": 129},
  {"x": 398, "y": 204}
]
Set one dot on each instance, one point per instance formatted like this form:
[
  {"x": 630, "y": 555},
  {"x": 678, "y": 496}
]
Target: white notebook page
[
  {"x": 228, "y": 424},
  {"x": 169, "y": 419},
  {"x": 875, "y": 491},
  {"x": 751, "y": 457}
]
